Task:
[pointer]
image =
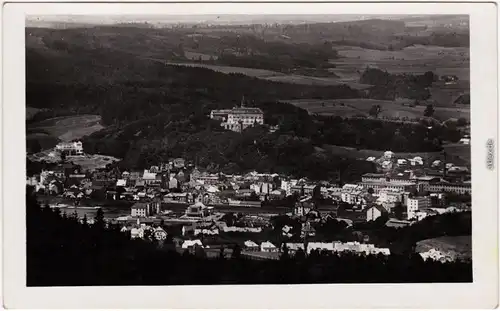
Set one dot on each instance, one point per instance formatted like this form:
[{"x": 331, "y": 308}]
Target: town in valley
[{"x": 237, "y": 146}]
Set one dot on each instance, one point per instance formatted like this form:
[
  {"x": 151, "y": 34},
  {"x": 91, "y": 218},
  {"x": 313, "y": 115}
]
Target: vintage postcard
[{"x": 250, "y": 155}]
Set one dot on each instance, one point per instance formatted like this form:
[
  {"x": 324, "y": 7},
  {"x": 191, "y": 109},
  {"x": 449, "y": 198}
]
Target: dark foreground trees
[{"x": 63, "y": 252}]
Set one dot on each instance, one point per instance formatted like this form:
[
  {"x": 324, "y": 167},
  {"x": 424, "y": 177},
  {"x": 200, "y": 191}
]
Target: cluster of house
[
  {"x": 214, "y": 228},
  {"x": 417, "y": 207},
  {"x": 143, "y": 231},
  {"x": 379, "y": 194},
  {"x": 178, "y": 182},
  {"x": 248, "y": 246},
  {"x": 174, "y": 182},
  {"x": 437, "y": 255},
  {"x": 389, "y": 161},
  {"x": 338, "y": 247}
]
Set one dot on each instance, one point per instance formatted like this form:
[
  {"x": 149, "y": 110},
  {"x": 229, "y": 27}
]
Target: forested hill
[
  {"x": 122, "y": 87},
  {"x": 155, "y": 111}
]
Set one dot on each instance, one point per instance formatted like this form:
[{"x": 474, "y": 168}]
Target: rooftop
[
  {"x": 389, "y": 183},
  {"x": 239, "y": 110}
]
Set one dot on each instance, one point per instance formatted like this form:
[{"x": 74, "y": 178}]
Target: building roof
[
  {"x": 139, "y": 205},
  {"x": 189, "y": 243},
  {"x": 389, "y": 183},
  {"x": 379, "y": 207},
  {"x": 246, "y": 110},
  {"x": 251, "y": 244},
  {"x": 373, "y": 175},
  {"x": 267, "y": 244}
]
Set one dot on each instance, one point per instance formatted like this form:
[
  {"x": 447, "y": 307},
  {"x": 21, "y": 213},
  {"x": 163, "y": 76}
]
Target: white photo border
[{"x": 481, "y": 293}]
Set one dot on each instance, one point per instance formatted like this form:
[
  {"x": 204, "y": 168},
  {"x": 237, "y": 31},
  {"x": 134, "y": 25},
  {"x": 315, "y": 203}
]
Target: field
[
  {"x": 95, "y": 161},
  {"x": 390, "y": 109},
  {"x": 354, "y": 60},
  {"x": 87, "y": 162},
  {"x": 414, "y": 59},
  {"x": 277, "y": 76},
  {"x": 308, "y": 80},
  {"x": 459, "y": 150},
  {"x": 461, "y": 245},
  {"x": 67, "y": 128},
  {"x": 257, "y": 73},
  {"x": 445, "y": 95},
  {"x": 45, "y": 140}
]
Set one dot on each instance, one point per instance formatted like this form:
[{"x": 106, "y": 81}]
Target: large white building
[
  {"x": 393, "y": 185},
  {"x": 238, "y": 118},
  {"x": 415, "y": 204},
  {"x": 459, "y": 188},
  {"x": 352, "y": 194},
  {"x": 72, "y": 148}
]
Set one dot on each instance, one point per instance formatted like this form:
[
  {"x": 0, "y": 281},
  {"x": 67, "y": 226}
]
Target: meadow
[
  {"x": 68, "y": 128},
  {"x": 461, "y": 245},
  {"x": 252, "y": 72},
  {"x": 390, "y": 109},
  {"x": 459, "y": 150},
  {"x": 414, "y": 59},
  {"x": 277, "y": 76}
]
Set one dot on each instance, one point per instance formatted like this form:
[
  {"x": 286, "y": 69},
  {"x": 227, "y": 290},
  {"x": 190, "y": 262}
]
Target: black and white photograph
[{"x": 249, "y": 149}]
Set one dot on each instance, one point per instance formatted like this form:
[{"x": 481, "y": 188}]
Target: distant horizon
[{"x": 228, "y": 19}]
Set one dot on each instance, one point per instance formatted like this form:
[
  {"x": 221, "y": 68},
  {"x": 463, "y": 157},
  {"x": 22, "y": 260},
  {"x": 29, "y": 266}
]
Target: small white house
[
  {"x": 268, "y": 247},
  {"x": 160, "y": 234},
  {"x": 286, "y": 230},
  {"x": 465, "y": 141},
  {"x": 191, "y": 243},
  {"x": 251, "y": 245},
  {"x": 386, "y": 164},
  {"x": 436, "y": 163},
  {"x": 374, "y": 212},
  {"x": 388, "y": 154},
  {"x": 137, "y": 233}
]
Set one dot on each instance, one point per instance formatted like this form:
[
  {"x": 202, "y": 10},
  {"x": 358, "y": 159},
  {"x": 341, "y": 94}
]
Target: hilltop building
[
  {"x": 71, "y": 149},
  {"x": 238, "y": 118}
]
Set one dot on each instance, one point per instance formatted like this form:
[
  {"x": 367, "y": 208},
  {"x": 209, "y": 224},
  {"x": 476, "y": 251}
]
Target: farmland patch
[
  {"x": 390, "y": 109},
  {"x": 68, "y": 128}
]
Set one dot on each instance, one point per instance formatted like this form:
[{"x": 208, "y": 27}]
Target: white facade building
[
  {"x": 72, "y": 148},
  {"x": 388, "y": 195},
  {"x": 238, "y": 118},
  {"x": 287, "y": 185},
  {"x": 416, "y": 204},
  {"x": 352, "y": 194}
]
